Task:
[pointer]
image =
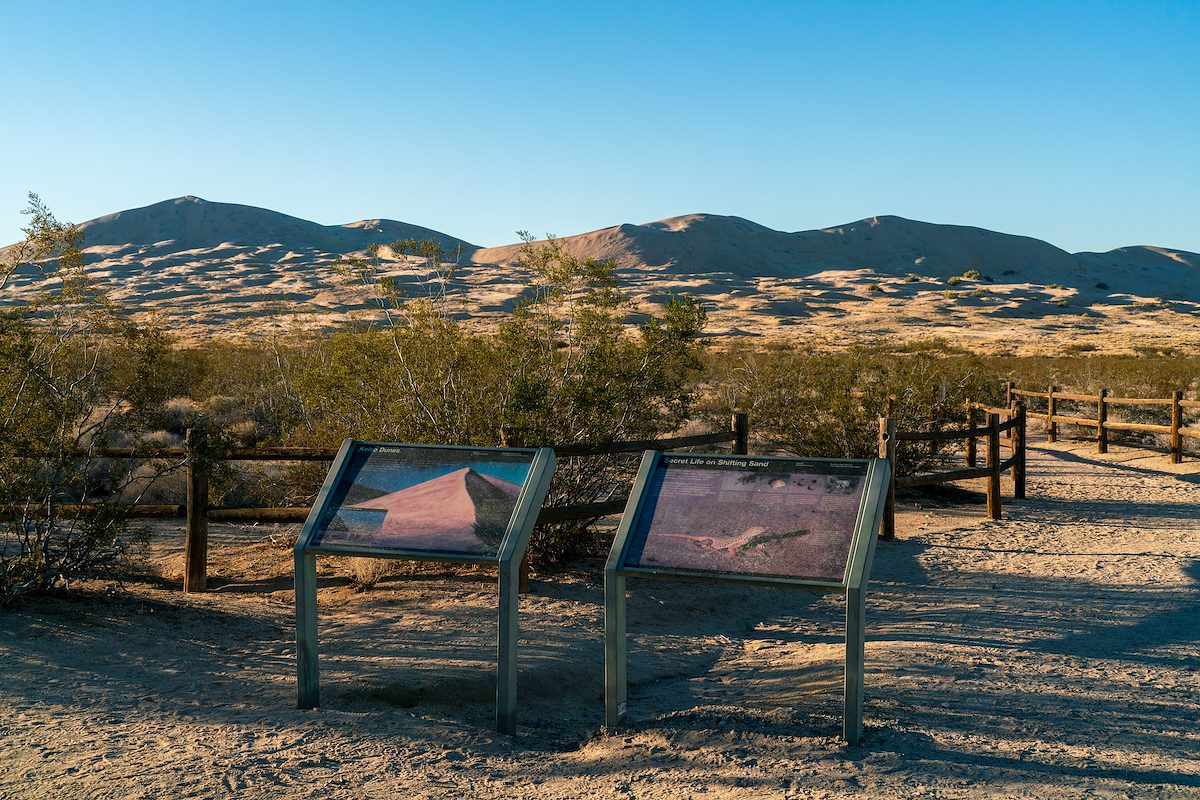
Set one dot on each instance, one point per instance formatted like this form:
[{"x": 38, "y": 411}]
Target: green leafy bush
[
  {"x": 74, "y": 376},
  {"x": 560, "y": 370},
  {"x": 829, "y": 404}
]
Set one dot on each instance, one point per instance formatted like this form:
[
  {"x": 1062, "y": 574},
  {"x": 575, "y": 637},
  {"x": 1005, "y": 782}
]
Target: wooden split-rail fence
[
  {"x": 1009, "y": 435},
  {"x": 1014, "y": 429},
  {"x": 1103, "y": 401},
  {"x": 198, "y": 512}
]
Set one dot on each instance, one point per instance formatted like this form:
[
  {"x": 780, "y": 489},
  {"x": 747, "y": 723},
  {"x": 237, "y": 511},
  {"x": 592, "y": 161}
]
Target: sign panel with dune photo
[
  {"x": 770, "y": 517},
  {"x": 451, "y": 500}
]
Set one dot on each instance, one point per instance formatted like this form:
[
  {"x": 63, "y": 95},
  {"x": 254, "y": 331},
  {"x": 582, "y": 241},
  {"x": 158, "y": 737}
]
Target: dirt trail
[{"x": 1049, "y": 654}]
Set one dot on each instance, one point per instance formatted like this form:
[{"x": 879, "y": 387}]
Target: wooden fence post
[
  {"x": 1176, "y": 424},
  {"x": 993, "y": 463},
  {"x": 740, "y": 423},
  {"x": 1009, "y": 397},
  {"x": 1018, "y": 468},
  {"x": 970, "y": 443},
  {"x": 523, "y": 574},
  {"x": 1101, "y": 422},
  {"x": 1051, "y": 425},
  {"x": 887, "y": 449},
  {"x": 1011, "y": 406},
  {"x": 195, "y": 537}
]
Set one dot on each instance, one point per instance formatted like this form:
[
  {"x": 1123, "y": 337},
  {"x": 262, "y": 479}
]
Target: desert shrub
[
  {"x": 1149, "y": 374},
  {"x": 574, "y": 377},
  {"x": 911, "y": 278},
  {"x": 829, "y": 404},
  {"x": 874, "y": 287},
  {"x": 74, "y": 376},
  {"x": 366, "y": 573},
  {"x": 972, "y": 274},
  {"x": 954, "y": 280},
  {"x": 935, "y": 345},
  {"x": 560, "y": 370}
]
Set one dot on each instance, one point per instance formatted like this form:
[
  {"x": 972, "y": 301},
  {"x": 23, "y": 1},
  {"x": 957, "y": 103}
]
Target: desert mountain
[
  {"x": 190, "y": 223},
  {"x": 222, "y": 269},
  {"x": 698, "y": 244}
]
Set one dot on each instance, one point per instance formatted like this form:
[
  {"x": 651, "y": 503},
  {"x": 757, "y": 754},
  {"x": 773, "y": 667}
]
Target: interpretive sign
[
  {"x": 802, "y": 523},
  {"x": 745, "y": 516},
  {"x": 422, "y": 499},
  {"x": 424, "y": 503}
]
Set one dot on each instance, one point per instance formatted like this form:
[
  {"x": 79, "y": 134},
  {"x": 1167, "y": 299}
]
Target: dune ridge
[{"x": 226, "y": 270}]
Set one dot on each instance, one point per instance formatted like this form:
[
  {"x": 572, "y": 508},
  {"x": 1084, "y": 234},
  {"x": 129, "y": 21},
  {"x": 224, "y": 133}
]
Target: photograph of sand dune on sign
[
  {"x": 424, "y": 499},
  {"x": 771, "y": 522}
]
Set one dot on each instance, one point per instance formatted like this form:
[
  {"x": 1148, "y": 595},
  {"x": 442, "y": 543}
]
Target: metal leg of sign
[
  {"x": 506, "y": 650},
  {"x": 615, "y": 653},
  {"x": 308, "y": 678},
  {"x": 852, "y": 716}
]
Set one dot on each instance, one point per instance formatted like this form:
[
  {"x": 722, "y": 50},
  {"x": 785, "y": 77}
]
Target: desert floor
[{"x": 1050, "y": 654}]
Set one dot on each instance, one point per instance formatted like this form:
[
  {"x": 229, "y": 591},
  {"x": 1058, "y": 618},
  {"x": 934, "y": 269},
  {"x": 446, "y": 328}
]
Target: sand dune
[
  {"x": 226, "y": 270},
  {"x": 888, "y": 245},
  {"x": 190, "y": 223}
]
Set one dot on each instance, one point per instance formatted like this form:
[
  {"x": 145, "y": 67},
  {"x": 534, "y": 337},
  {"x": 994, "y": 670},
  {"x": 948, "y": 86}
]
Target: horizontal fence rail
[
  {"x": 1013, "y": 428},
  {"x": 198, "y": 512},
  {"x": 1175, "y": 406}
]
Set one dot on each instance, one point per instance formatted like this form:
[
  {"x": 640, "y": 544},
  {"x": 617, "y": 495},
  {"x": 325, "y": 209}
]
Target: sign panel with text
[{"x": 767, "y": 517}]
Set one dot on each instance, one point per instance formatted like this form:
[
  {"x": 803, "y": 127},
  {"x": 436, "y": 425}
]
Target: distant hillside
[
  {"x": 697, "y": 244},
  {"x": 190, "y": 223},
  {"x": 222, "y": 269}
]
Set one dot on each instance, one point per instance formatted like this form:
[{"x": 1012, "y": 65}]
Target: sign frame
[
  {"x": 853, "y": 584},
  {"x": 507, "y": 557}
]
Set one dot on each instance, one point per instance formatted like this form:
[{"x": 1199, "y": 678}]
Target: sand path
[{"x": 1050, "y": 654}]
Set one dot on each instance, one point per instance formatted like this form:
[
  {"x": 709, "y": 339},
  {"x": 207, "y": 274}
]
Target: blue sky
[{"x": 1077, "y": 123}]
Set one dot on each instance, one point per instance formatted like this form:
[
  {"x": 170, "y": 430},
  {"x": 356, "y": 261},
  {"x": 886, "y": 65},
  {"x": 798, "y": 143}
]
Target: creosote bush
[
  {"x": 74, "y": 376},
  {"x": 829, "y": 404},
  {"x": 560, "y": 370}
]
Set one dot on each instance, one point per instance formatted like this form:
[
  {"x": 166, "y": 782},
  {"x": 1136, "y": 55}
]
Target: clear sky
[{"x": 1077, "y": 123}]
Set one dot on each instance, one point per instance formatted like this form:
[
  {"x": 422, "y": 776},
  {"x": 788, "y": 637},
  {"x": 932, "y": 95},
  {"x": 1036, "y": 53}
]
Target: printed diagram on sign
[
  {"x": 768, "y": 522},
  {"x": 442, "y": 500}
]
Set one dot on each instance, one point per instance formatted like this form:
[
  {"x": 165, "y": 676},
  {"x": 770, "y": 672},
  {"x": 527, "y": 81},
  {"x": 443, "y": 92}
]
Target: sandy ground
[{"x": 1052, "y": 654}]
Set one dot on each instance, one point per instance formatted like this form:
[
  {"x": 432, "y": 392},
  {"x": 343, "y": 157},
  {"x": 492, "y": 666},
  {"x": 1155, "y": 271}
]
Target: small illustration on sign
[{"x": 433, "y": 499}]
